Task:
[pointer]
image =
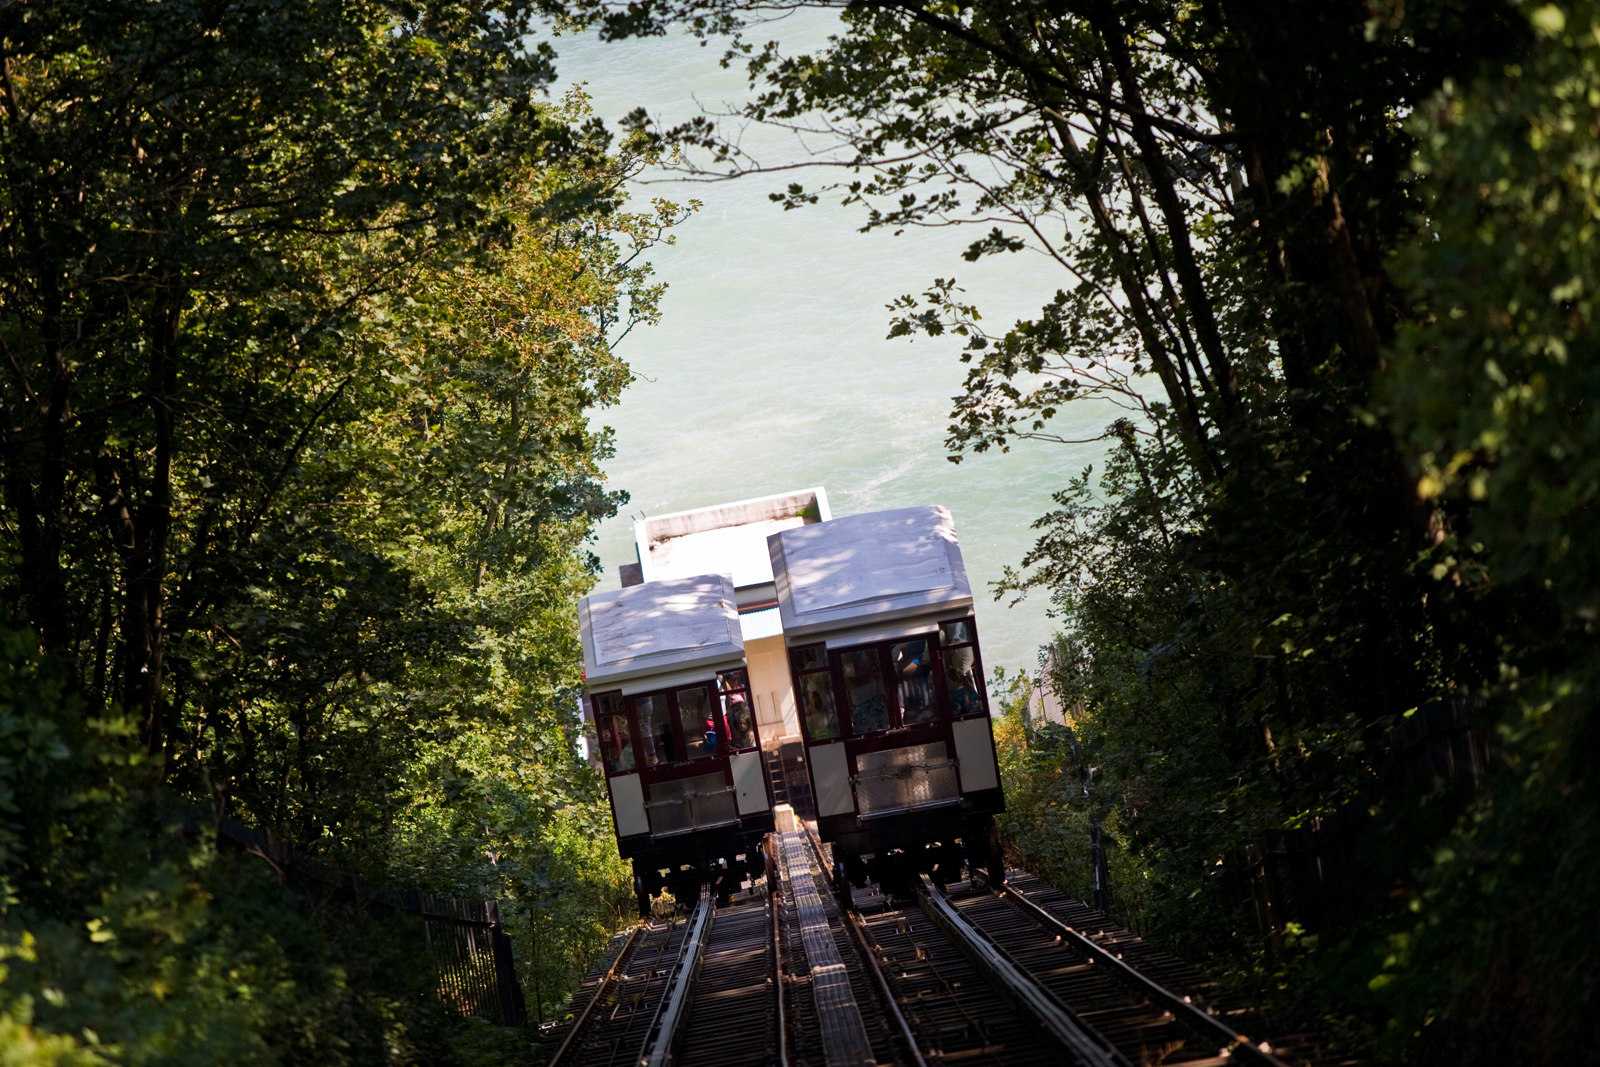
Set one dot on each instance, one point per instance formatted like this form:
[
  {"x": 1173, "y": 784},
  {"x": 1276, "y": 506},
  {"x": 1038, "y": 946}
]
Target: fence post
[
  {"x": 513, "y": 1010},
  {"x": 1261, "y": 890},
  {"x": 1102, "y": 875}
]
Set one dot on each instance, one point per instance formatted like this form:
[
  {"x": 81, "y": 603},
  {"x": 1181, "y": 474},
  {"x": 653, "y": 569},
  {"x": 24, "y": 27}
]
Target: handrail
[
  {"x": 903, "y": 769},
  {"x": 878, "y": 813},
  {"x": 1237, "y": 1044},
  {"x": 672, "y": 1013},
  {"x": 1019, "y": 988},
  {"x": 724, "y": 791},
  {"x": 600, "y": 990},
  {"x": 692, "y": 827}
]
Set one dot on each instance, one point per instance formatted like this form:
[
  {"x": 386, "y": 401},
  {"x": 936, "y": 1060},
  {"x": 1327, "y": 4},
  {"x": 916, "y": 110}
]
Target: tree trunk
[
  {"x": 40, "y": 508},
  {"x": 1207, "y": 333},
  {"x": 145, "y": 559},
  {"x": 1189, "y": 426},
  {"x": 40, "y": 505}
]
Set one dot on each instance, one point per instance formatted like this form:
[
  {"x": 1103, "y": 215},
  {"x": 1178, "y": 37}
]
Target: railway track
[{"x": 1015, "y": 976}]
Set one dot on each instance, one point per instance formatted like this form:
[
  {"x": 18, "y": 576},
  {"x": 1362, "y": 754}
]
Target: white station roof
[
  {"x": 864, "y": 569},
  {"x": 659, "y": 628}
]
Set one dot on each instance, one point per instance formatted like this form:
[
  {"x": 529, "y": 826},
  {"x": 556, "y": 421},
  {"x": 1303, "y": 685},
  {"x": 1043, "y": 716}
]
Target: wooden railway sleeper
[
  {"x": 1031, "y": 1000},
  {"x": 599, "y": 994},
  {"x": 1235, "y": 1044},
  {"x": 881, "y": 980},
  {"x": 672, "y": 1013}
]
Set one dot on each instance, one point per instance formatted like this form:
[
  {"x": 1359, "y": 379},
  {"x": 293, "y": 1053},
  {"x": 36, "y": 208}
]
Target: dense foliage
[
  {"x": 304, "y": 311},
  {"x": 1334, "y": 261},
  {"x": 130, "y": 939}
]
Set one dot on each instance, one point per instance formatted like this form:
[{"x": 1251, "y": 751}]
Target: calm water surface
[{"x": 770, "y": 370}]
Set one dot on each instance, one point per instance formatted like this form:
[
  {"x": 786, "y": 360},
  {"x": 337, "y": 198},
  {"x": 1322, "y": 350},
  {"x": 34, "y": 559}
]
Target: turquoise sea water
[{"x": 770, "y": 370}]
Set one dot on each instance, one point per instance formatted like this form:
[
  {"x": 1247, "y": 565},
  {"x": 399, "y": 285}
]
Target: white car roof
[
  {"x": 663, "y": 627},
  {"x": 865, "y": 569}
]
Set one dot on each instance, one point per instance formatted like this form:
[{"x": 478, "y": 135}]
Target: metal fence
[
  {"x": 465, "y": 938},
  {"x": 1313, "y": 874}
]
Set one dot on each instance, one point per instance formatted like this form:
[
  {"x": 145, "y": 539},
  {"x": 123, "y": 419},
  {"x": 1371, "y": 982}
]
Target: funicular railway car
[
  {"x": 883, "y": 650},
  {"x": 667, "y": 685},
  {"x": 732, "y": 538}
]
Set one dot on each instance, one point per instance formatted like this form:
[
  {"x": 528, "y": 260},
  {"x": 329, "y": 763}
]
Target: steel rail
[
  {"x": 774, "y": 904},
  {"x": 661, "y": 1040},
  {"x": 1017, "y": 987},
  {"x": 1181, "y": 1007},
  {"x": 853, "y": 921},
  {"x": 822, "y": 854},
  {"x": 600, "y": 991},
  {"x": 822, "y": 865}
]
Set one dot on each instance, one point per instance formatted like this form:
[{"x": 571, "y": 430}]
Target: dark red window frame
[
  {"x": 730, "y": 682},
  {"x": 938, "y": 649},
  {"x": 977, "y": 667},
  {"x": 726, "y": 682}
]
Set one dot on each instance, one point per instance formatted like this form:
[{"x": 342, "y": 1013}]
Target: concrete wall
[
  {"x": 1043, "y": 704},
  {"x": 769, "y": 685},
  {"x": 737, "y": 513}
]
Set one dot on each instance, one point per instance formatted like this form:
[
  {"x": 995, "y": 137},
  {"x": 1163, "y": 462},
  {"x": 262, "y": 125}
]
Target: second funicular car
[
  {"x": 887, "y": 672},
  {"x": 666, "y": 680}
]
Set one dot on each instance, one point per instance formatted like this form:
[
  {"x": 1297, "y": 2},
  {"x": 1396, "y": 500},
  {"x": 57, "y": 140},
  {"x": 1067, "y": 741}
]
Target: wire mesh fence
[{"x": 465, "y": 939}]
